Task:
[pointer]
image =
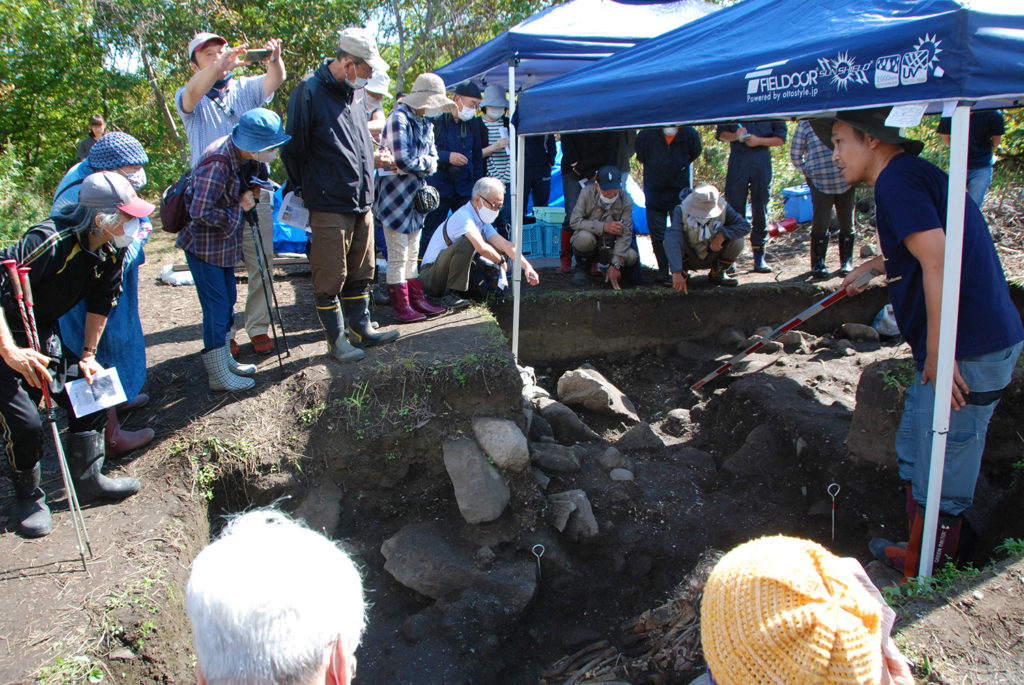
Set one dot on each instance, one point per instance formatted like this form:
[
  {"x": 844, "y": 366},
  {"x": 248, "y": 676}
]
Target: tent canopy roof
[
  {"x": 784, "y": 58},
  {"x": 563, "y": 37}
]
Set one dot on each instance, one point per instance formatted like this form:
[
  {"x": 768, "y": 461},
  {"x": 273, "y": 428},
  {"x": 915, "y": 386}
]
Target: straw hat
[
  {"x": 427, "y": 92},
  {"x": 781, "y": 609}
]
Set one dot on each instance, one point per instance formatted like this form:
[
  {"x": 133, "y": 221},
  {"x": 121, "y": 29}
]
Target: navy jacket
[
  {"x": 666, "y": 166},
  {"x": 467, "y": 137},
  {"x": 540, "y": 152},
  {"x": 590, "y": 151},
  {"x": 330, "y": 156}
]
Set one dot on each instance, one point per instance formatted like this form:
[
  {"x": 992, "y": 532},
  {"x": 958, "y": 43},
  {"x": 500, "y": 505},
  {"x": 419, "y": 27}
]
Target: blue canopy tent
[
  {"x": 567, "y": 36},
  {"x": 789, "y": 58}
]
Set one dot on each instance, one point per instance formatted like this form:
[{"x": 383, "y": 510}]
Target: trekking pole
[
  {"x": 23, "y": 294},
  {"x": 818, "y": 306},
  {"x": 268, "y": 284}
]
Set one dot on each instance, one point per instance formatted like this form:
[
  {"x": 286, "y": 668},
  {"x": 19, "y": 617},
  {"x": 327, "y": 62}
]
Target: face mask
[
  {"x": 136, "y": 178},
  {"x": 487, "y": 214},
  {"x": 670, "y": 130},
  {"x": 266, "y": 156},
  {"x": 370, "y": 102},
  {"x": 466, "y": 113},
  {"x": 131, "y": 229},
  {"x": 358, "y": 83},
  {"x": 608, "y": 201},
  {"x": 495, "y": 112}
]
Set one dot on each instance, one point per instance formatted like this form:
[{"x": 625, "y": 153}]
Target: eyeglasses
[{"x": 494, "y": 207}]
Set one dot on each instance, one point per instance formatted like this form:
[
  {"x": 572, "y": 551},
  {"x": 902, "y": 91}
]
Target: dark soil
[{"x": 355, "y": 450}]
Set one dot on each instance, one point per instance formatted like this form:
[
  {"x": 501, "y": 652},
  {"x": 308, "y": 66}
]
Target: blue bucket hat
[
  {"x": 115, "y": 150},
  {"x": 257, "y": 130}
]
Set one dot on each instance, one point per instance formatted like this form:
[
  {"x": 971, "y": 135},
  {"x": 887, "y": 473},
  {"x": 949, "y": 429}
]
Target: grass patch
[{"x": 928, "y": 588}]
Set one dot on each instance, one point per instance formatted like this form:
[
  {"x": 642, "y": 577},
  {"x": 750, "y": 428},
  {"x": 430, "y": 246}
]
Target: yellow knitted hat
[{"x": 784, "y": 610}]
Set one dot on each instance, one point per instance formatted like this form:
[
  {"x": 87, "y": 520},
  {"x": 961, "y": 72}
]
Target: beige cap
[{"x": 359, "y": 43}]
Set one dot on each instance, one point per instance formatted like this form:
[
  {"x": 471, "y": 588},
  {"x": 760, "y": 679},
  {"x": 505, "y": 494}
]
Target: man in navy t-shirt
[
  {"x": 910, "y": 199},
  {"x": 985, "y": 134}
]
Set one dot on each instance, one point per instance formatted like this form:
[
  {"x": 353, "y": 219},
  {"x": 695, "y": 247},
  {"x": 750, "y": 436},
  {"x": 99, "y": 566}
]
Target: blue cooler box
[{"x": 797, "y": 203}]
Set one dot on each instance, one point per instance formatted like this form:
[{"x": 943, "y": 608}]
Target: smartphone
[{"x": 257, "y": 55}]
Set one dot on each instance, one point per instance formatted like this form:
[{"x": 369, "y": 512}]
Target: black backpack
[{"x": 174, "y": 214}]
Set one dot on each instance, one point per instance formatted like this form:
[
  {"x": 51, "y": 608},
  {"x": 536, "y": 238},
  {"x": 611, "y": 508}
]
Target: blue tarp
[
  {"x": 782, "y": 58},
  {"x": 565, "y": 37}
]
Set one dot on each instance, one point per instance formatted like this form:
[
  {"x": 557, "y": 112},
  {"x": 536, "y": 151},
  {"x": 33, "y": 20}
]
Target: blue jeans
[
  {"x": 965, "y": 441},
  {"x": 978, "y": 181},
  {"x": 215, "y": 286}
]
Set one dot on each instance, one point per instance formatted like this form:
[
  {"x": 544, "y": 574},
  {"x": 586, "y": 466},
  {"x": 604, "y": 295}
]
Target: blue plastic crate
[
  {"x": 797, "y": 203},
  {"x": 533, "y": 240},
  {"x": 552, "y": 240}
]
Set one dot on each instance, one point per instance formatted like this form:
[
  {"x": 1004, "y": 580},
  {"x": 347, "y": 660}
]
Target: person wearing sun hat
[
  {"x": 374, "y": 93},
  {"x": 212, "y": 240},
  {"x": 330, "y": 162},
  {"x": 76, "y": 255},
  {"x": 123, "y": 344},
  {"x": 784, "y": 610},
  {"x": 705, "y": 233},
  {"x": 410, "y": 138},
  {"x": 911, "y": 197}
]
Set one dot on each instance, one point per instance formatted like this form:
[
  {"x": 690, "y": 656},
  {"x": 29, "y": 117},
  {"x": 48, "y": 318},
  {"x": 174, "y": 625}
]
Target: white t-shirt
[
  {"x": 210, "y": 120},
  {"x": 464, "y": 220}
]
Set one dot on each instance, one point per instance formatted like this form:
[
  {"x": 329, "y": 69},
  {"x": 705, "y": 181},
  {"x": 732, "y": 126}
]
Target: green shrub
[{"x": 21, "y": 202}]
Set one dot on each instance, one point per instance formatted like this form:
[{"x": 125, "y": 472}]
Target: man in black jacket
[
  {"x": 666, "y": 153},
  {"x": 75, "y": 255},
  {"x": 330, "y": 161}
]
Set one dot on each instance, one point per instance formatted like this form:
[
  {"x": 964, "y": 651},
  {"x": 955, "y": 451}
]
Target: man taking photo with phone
[{"x": 210, "y": 105}]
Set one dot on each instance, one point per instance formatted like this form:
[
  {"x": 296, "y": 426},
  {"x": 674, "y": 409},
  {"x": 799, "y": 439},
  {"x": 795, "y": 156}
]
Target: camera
[{"x": 257, "y": 55}]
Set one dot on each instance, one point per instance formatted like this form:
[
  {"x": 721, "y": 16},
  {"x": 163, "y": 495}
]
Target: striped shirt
[
  {"x": 810, "y": 156},
  {"x": 498, "y": 164}
]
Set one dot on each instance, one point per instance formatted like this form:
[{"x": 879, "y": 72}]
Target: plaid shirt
[
  {"x": 810, "y": 156},
  {"x": 214, "y": 234},
  {"x": 411, "y": 139}
]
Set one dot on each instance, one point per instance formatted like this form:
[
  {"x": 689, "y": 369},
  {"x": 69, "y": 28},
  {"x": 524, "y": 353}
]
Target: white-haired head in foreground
[{"x": 274, "y": 603}]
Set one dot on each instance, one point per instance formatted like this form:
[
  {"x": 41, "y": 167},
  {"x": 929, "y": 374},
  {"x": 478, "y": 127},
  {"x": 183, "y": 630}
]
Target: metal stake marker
[
  {"x": 538, "y": 551},
  {"x": 833, "y": 490}
]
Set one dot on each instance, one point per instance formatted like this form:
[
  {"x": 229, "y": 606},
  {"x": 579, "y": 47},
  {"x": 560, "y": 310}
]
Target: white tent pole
[
  {"x": 947, "y": 328},
  {"x": 516, "y": 154}
]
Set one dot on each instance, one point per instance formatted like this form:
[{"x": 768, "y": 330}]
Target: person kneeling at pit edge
[
  {"x": 705, "y": 233},
  {"x": 465, "y": 253},
  {"x": 77, "y": 254},
  {"x": 784, "y": 610},
  {"x": 602, "y": 224}
]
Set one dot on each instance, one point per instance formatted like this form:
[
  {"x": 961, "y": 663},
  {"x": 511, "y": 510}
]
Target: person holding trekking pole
[{"x": 75, "y": 255}]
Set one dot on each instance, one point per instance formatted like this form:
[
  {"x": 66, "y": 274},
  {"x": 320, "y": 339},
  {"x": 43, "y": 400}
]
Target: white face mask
[
  {"x": 495, "y": 112},
  {"x": 131, "y": 229},
  {"x": 670, "y": 130},
  {"x": 136, "y": 178},
  {"x": 266, "y": 156},
  {"x": 608, "y": 201},
  {"x": 371, "y": 102},
  {"x": 466, "y": 113},
  {"x": 487, "y": 214}
]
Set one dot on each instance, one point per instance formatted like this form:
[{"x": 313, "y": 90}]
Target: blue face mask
[{"x": 218, "y": 87}]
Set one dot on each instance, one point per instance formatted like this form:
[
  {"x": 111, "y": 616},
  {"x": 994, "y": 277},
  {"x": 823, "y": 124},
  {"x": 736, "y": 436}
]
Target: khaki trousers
[{"x": 342, "y": 250}]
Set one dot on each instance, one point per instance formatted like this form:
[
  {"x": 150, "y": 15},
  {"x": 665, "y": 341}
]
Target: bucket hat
[
  {"x": 427, "y": 92},
  {"x": 258, "y": 129},
  {"x": 705, "y": 202}
]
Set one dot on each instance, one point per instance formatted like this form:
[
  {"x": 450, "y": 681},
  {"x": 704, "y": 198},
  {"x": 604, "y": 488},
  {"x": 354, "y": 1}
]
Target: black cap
[
  {"x": 609, "y": 177},
  {"x": 870, "y": 121},
  {"x": 469, "y": 90}
]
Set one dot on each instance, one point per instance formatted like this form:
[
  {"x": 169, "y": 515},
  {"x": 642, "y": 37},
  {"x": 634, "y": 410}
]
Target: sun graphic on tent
[
  {"x": 930, "y": 45},
  {"x": 845, "y": 71}
]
